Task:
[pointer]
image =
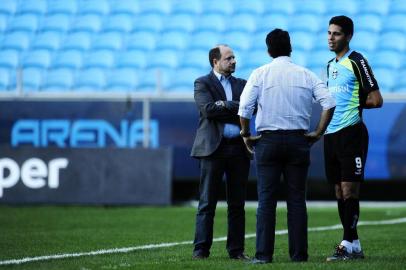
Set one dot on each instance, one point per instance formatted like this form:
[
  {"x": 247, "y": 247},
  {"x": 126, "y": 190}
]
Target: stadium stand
[{"x": 115, "y": 36}]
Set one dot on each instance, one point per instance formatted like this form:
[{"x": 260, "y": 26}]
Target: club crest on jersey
[{"x": 334, "y": 74}]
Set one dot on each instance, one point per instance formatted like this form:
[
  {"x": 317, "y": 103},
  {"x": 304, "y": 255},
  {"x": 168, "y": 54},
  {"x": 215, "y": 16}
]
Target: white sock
[
  {"x": 347, "y": 245},
  {"x": 356, "y": 245}
]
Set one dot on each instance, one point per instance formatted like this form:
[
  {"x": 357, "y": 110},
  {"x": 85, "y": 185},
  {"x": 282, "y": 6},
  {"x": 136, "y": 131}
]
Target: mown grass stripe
[{"x": 164, "y": 245}]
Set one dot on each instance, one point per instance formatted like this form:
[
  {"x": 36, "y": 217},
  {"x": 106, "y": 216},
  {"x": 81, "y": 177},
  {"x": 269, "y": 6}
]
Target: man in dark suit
[{"x": 221, "y": 150}]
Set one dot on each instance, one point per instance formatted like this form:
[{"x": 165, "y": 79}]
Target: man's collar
[
  {"x": 282, "y": 59},
  {"x": 218, "y": 75}
]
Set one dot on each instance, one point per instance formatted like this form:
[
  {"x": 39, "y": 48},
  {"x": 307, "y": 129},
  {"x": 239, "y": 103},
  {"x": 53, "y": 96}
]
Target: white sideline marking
[{"x": 162, "y": 245}]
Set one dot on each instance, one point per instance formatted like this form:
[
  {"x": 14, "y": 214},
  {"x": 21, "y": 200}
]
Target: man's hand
[
  {"x": 313, "y": 136},
  {"x": 250, "y": 143}
]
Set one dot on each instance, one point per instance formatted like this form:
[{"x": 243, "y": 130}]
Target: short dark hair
[
  {"x": 214, "y": 54},
  {"x": 278, "y": 43},
  {"x": 345, "y": 23}
]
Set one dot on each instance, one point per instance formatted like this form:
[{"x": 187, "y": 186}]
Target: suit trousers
[
  {"x": 231, "y": 160},
  {"x": 284, "y": 153}
]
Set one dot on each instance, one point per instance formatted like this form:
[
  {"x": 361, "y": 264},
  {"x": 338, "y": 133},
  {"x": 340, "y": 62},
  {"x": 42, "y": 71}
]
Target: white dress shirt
[{"x": 284, "y": 93}]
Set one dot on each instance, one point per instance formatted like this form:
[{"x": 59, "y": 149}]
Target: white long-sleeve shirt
[{"x": 284, "y": 92}]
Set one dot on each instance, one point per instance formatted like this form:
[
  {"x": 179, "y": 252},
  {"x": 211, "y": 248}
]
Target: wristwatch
[{"x": 245, "y": 134}]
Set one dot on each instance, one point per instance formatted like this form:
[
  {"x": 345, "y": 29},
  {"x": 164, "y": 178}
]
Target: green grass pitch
[{"x": 45, "y": 230}]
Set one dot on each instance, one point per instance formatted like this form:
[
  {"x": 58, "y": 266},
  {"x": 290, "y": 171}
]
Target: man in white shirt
[{"x": 284, "y": 93}]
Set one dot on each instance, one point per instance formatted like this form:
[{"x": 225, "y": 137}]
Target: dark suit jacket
[{"x": 212, "y": 117}]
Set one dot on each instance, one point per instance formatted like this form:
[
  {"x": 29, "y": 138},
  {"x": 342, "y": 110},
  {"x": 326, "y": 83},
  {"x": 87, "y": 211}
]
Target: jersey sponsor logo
[
  {"x": 339, "y": 89},
  {"x": 364, "y": 67}
]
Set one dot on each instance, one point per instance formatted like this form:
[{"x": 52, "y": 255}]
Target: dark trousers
[
  {"x": 229, "y": 159},
  {"x": 284, "y": 153}
]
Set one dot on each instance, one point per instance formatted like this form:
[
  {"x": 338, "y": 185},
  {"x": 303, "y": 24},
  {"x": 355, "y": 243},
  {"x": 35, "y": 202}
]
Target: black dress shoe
[
  {"x": 241, "y": 257},
  {"x": 199, "y": 256},
  {"x": 259, "y": 261}
]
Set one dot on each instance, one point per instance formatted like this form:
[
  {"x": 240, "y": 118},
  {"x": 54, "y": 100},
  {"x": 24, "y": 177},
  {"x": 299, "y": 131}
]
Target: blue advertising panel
[{"x": 104, "y": 125}]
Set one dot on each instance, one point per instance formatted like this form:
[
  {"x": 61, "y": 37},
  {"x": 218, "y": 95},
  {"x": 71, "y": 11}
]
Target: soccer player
[{"x": 354, "y": 87}]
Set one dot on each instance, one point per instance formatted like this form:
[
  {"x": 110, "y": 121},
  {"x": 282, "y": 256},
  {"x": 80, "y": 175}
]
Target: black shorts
[{"x": 345, "y": 153}]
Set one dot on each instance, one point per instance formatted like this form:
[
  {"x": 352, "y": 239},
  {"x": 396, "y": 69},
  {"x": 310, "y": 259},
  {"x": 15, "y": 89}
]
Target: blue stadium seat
[
  {"x": 99, "y": 59},
  {"x": 60, "y": 79},
  {"x": 204, "y": 40},
  {"x": 314, "y": 7},
  {"x": 3, "y": 23},
  {"x": 123, "y": 79},
  {"x": 244, "y": 72},
  {"x": 285, "y": 7},
  {"x": 387, "y": 59},
  {"x": 98, "y": 7},
  {"x": 86, "y": 23},
  {"x": 237, "y": 40},
  {"x": 4, "y": 79},
  {"x": 397, "y": 6},
  {"x": 376, "y": 7},
  {"x": 184, "y": 81},
  {"x": 299, "y": 57},
  {"x": 141, "y": 41},
  {"x": 191, "y": 7},
  {"x": 211, "y": 22},
  {"x": 270, "y": 21},
  {"x": 305, "y": 22},
  {"x": 129, "y": 7},
  {"x": 301, "y": 40},
  {"x": 347, "y": 7},
  {"x": 364, "y": 41},
  {"x": 32, "y": 79},
  {"x": 395, "y": 23},
  {"x": 386, "y": 79},
  {"x": 392, "y": 41},
  {"x": 222, "y": 8},
  {"x": 255, "y": 59},
  {"x": 368, "y": 22},
  {"x": 148, "y": 22},
  {"x": 243, "y": 22},
  {"x": 107, "y": 41},
  {"x": 253, "y": 7},
  {"x": 258, "y": 40},
  {"x": 317, "y": 60},
  {"x": 136, "y": 59},
  {"x": 173, "y": 40},
  {"x": 9, "y": 59},
  {"x": 118, "y": 23},
  {"x": 62, "y": 6},
  {"x": 320, "y": 41},
  {"x": 180, "y": 22},
  {"x": 70, "y": 59},
  {"x": 195, "y": 59},
  {"x": 37, "y": 7},
  {"x": 163, "y": 59},
  {"x": 47, "y": 41},
  {"x": 37, "y": 59},
  {"x": 153, "y": 78},
  {"x": 158, "y": 7},
  {"x": 92, "y": 79},
  {"x": 16, "y": 40},
  {"x": 8, "y": 7},
  {"x": 28, "y": 23},
  {"x": 77, "y": 41},
  {"x": 400, "y": 82},
  {"x": 57, "y": 22}
]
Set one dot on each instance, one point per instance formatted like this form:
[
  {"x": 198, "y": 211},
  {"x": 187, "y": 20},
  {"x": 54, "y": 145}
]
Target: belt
[
  {"x": 235, "y": 140},
  {"x": 284, "y": 132}
]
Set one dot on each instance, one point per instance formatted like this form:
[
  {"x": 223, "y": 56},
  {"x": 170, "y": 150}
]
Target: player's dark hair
[
  {"x": 278, "y": 43},
  {"x": 345, "y": 23}
]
